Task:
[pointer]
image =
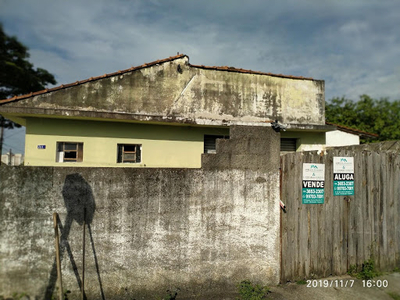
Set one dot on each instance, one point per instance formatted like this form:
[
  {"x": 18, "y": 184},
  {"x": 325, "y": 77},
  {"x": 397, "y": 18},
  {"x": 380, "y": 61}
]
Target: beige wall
[
  {"x": 306, "y": 141},
  {"x": 195, "y": 95},
  {"x": 162, "y": 146},
  {"x": 339, "y": 138}
]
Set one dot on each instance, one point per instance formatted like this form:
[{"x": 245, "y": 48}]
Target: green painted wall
[
  {"x": 306, "y": 141},
  {"x": 162, "y": 146}
]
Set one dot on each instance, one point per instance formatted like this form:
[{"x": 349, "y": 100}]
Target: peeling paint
[{"x": 191, "y": 93}]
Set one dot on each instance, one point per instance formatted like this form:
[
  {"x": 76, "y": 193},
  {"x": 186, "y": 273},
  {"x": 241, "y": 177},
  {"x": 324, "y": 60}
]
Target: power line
[
  {"x": 8, "y": 145},
  {"x": 7, "y": 137}
]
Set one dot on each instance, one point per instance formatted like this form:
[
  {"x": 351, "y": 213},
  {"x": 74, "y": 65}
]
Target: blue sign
[{"x": 41, "y": 146}]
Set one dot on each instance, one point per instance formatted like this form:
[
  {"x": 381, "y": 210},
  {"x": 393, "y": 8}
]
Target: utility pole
[
  {"x": 10, "y": 159},
  {"x": 2, "y": 136}
]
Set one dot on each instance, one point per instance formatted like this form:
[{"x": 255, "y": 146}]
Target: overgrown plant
[
  {"x": 65, "y": 294},
  {"x": 250, "y": 291},
  {"x": 18, "y": 296},
  {"x": 368, "y": 270},
  {"x": 171, "y": 295},
  {"x": 394, "y": 295}
]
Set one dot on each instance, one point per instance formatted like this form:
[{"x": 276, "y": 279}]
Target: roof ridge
[
  {"x": 239, "y": 70},
  {"x": 63, "y": 86},
  {"x": 146, "y": 65},
  {"x": 352, "y": 129}
]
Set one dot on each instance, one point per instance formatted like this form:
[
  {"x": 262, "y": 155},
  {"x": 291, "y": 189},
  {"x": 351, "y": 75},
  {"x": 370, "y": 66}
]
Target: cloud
[{"x": 352, "y": 45}]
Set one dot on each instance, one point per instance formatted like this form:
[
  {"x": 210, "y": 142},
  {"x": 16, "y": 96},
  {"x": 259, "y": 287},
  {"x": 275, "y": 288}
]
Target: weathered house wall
[
  {"x": 176, "y": 91},
  {"x": 149, "y": 230},
  {"x": 162, "y": 146}
]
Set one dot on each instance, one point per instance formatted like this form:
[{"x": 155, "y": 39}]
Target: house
[
  {"x": 346, "y": 136},
  {"x": 336, "y": 137},
  {"x": 166, "y": 113},
  {"x": 12, "y": 159}
]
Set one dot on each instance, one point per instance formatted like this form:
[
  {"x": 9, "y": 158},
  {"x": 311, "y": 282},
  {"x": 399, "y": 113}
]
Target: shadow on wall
[{"x": 80, "y": 205}]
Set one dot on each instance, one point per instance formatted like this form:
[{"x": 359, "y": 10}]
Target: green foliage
[
  {"x": 65, "y": 294},
  {"x": 394, "y": 295},
  {"x": 379, "y": 116},
  {"x": 17, "y": 74},
  {"x": 368, "y": 270},
  {"x": 352, "y": 270},
  {"x": 18, "y": 296},
  {"x": 301, "y": 282},
  {"x": 396, "y": 270},
  {"x": 171, "y": 295},
  {"x": 249, "y": 291}
]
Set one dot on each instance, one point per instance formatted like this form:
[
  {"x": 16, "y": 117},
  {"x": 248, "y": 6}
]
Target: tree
[
  {"x": 17, "y": 75},
  {"x": 379, "y": 116}
]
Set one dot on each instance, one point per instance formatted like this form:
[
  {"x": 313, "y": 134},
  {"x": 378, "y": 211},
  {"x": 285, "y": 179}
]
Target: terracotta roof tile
[
  {"x": 352, "y": 130},
  {"x": 233, "y": 69},
  {"x": 160, "y": 61}
]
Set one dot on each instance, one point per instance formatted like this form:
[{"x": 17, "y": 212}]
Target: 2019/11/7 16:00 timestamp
[{"x": 340, "y": 283}]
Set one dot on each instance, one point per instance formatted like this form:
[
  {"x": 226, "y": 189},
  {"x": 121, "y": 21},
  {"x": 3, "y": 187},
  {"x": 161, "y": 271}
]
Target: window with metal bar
[
  {"x": 288, "y": 145},
  {"x": 69, "y": 152},
  {"x": 129, "y": 153},
  {"x": 210, "y": 142}
]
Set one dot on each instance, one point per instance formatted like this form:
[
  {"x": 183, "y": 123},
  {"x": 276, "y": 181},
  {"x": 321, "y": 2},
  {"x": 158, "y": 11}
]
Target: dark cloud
[{"x": 352, "y": 45}]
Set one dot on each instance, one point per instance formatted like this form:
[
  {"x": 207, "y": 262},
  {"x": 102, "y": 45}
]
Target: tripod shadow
[{"x": 80, "y": 205}]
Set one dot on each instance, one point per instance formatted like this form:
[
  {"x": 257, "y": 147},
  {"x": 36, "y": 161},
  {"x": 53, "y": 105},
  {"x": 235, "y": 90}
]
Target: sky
[{"x": 354, "y": 45}]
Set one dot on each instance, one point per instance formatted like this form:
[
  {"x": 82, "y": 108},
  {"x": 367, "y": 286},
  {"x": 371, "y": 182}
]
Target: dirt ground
[{"x": 337, "y": 289}]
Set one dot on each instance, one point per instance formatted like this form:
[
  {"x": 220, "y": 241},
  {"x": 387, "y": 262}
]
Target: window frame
[
  {"x": 121, "y": 153},
  {"x": 61, "y": 148},
  {"x": 286, "y": 143},
  {"x": 212, "y": 137}
]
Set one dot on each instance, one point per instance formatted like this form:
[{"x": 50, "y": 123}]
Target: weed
[
  {"x": 301, "y": 282},
  {"x": 249, "y": 291},
  {"x": 171, "y": 295},
  {"x": 352, "y": 270},
  {"x": 394, "y": 295},
  {"x": 397, "y": 270},
  {"x": 368, "y": 270},
  {"x": 18, "y": 296},
  {"x": 65, "y": 294}
]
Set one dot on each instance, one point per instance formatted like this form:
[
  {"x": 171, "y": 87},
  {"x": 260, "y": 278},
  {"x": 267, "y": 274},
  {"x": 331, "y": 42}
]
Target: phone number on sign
[{"x": 330, "y": 283}]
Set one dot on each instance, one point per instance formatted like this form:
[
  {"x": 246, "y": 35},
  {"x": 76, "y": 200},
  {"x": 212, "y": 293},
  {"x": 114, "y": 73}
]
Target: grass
[
  {"x": 301, "y": 282},
  {"x": 394, "y": 295},
  {"x": 368, "y": 270},
  {"x": 250, "y": 291}
]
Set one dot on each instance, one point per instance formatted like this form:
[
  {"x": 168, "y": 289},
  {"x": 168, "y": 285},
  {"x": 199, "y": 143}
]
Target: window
[
  {"x": 210, "y": 142},
  {"x": 288, "y": 145},
  {"x": 69, "y": 152},
  {"x": 128, "y": 153}
]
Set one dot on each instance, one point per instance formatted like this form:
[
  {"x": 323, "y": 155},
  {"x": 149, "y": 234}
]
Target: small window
[
  {"x": 128, "y": 153},
  {"x": 288, "y": 145},
  {"x": 69, "y": 152},
  {"x": 210, "y": 142}
]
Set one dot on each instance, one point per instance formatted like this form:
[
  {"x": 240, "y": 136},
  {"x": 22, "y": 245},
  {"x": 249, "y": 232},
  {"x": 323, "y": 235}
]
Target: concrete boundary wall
[{"x": 195, "y": 231}]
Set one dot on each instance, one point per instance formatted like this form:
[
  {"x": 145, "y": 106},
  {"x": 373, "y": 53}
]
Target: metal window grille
[
  {"x": 128, "y": 153},
  {"x": 210, "y": 142},
  {"x": 69, "y": 152},
  {"x": 288, "y": 145}
]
